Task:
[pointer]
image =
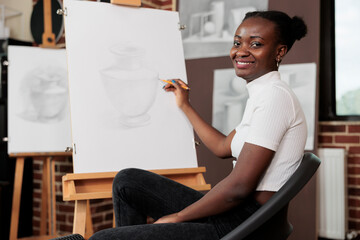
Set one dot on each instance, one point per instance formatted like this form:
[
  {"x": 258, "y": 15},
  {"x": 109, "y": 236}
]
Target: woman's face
[{"x": 255, "y": 48}]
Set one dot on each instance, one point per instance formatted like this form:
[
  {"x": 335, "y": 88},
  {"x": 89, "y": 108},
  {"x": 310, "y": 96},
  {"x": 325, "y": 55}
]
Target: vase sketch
[
  {"x": 129, "y": 85},
  {"x": 45, "y": 95}
]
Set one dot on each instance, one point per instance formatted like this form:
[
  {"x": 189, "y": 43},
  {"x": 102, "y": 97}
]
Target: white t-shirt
[{"x": 273, "y": 119}]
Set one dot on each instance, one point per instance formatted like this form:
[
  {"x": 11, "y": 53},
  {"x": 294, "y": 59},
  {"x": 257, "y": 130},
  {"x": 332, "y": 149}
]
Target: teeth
[{"x": 243, "y": 63}]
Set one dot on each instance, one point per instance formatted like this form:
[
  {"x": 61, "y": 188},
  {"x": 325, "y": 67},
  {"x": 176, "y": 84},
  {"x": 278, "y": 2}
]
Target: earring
[{"x": 278, "y": 60}]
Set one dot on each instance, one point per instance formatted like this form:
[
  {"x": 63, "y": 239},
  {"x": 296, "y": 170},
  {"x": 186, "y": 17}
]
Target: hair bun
[
  {"x": 299, "y": 28},
  {"x": 287, "y": 29}
]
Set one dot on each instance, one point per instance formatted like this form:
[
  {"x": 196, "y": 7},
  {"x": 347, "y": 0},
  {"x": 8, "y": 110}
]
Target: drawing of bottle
[
  {"x": 217, "y": 8},
  {"x": 50, "y": 99},
  {"x": 45, "y": 94},
  {"x": 130, "y": 86}
]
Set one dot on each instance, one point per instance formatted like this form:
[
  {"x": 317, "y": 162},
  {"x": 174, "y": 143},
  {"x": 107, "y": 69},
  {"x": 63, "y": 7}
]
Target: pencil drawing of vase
[
  {"x": 130, "y": 86},
  {"x": 45, "y": 95}
]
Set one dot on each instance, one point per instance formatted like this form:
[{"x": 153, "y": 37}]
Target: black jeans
[{"x": 139, "y": 193}]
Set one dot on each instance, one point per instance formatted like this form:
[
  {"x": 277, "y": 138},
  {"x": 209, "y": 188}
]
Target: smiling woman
[
  {"x": 259, "y": 50},
  {"x": 255, "y": 49},
  {"x": 268, "y": 145}
]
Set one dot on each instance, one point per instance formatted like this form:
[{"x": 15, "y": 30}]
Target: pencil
[{"x": 170, "y": 82}]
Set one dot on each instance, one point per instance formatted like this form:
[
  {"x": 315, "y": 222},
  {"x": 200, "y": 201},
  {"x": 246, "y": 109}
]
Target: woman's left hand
[{"x": 172, "y": 218}]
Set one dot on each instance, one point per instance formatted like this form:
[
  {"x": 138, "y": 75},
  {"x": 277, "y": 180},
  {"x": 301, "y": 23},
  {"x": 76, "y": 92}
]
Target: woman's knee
[{"x": 127, "y": 177}]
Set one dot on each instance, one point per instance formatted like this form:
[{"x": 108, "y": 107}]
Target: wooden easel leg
[
  {"x": 19, "y": 170},
  {"x": 89, "y": 230},
  {"x": 114, "y": 224},
  {"x": 80, "y": 217},
  {"x": 48, "y": 200}
]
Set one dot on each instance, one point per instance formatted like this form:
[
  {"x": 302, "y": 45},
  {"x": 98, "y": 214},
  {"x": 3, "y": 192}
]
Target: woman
[{"x": 268, "y": 145}]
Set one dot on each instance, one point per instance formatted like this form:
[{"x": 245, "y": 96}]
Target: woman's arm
[
  {"x": 217, "y": 142},
  {"x": 237, "y": 186}
]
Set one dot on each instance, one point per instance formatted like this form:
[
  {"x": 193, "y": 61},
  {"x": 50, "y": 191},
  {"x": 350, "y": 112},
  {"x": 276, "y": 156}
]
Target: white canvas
[
  {"x": 230, "y": 96},
  {"x": 38, "y": 107},
  {"x": 121, "y": 116}
]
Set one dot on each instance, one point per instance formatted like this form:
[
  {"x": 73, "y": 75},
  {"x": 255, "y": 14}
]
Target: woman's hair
[{"x": 288, "y": 29}]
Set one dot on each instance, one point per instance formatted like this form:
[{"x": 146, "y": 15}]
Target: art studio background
[{"x": 210, "y": 24}]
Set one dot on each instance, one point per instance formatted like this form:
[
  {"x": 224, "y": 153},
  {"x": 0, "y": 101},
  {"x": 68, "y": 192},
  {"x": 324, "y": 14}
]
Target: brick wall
[
  {"x": 346, "y": 135},
  {"x": 101, "y": 210}
]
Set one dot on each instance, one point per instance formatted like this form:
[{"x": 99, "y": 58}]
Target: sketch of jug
[
  {"x": 130, "y": 86},
  {"x": 45, "y": 94}
]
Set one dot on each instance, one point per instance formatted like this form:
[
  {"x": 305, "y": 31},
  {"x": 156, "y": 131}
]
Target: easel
[
  {"x": 133, "y": 3},
  {"x": 82, "y": 187},
  {"x": 48, "y": 37},
  {"x": 48, "y": 200}
]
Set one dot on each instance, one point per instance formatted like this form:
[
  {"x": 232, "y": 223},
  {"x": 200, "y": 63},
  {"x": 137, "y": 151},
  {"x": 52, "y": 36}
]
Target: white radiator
[{"x": 332, "y": 193}]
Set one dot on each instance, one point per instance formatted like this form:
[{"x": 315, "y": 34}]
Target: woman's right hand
[
  {"x": 217, "y": 142},
  {"x": 181, "y": 94}
]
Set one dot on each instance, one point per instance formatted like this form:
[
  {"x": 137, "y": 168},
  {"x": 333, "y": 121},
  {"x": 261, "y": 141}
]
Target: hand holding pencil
[
  {"x": 172, "y": 82},
  {"x": 181, "y": 91}
]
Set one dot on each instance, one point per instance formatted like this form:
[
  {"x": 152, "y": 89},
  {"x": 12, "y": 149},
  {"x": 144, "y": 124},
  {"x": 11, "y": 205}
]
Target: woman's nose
[{"x": 242, "y": 51}]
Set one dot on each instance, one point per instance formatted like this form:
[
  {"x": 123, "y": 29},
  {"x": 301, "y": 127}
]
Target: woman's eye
[
  {"x": 236, "y": 43},
  {"x": 256, "y": 44}
]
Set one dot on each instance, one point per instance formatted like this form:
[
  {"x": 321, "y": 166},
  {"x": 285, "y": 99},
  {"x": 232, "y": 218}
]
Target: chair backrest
[{"x": 279, "y": 200}]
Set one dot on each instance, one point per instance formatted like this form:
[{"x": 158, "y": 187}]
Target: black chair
[
  {"x": 270, "y": 221},
  {"x": 70, "y": 237}
]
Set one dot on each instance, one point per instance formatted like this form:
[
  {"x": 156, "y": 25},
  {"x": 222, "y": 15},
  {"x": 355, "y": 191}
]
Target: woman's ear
[{"x": 282, "y": 50}]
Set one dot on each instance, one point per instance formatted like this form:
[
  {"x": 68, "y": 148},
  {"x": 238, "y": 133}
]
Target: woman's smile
[{"x": 241, "y": 64}]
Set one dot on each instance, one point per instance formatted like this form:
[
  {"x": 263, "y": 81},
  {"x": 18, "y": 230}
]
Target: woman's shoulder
[{"x": 277, "y": 90}]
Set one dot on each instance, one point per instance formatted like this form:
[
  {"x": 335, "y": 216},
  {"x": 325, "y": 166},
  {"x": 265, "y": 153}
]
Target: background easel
[
  {"x": 48, "y": 200},
  {"x": 48, "y": 210}
]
